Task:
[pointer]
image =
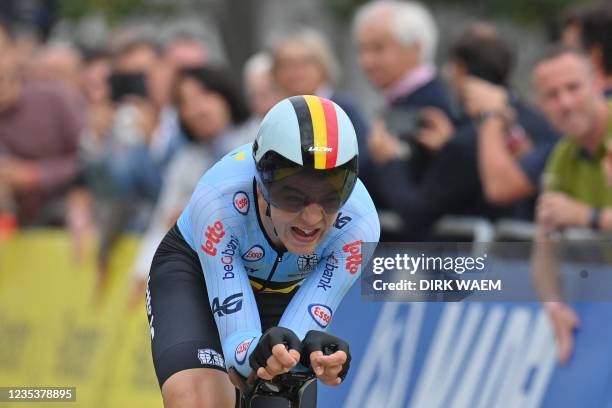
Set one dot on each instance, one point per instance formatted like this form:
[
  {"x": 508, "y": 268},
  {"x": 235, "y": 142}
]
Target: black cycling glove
[
  {"x": 316, "y": 340},
  {"x": 272, "y": 337}
]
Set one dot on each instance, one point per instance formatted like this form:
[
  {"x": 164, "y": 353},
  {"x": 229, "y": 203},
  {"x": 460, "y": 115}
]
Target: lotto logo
[
  {"x": 321, "y": 314},
  {"x": 354, "y": 259},
  {"x": 213, "y": 234},
  {"x": 241, "y": 202},
  {"x": 242, "y": 350}
]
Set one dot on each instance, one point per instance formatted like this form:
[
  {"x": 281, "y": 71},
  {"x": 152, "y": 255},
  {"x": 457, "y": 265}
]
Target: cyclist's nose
[{"x": 312, "y": 214}]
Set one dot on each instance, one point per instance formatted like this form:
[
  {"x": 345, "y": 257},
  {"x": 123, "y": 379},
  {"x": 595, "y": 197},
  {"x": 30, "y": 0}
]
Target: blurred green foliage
[{"x": 113, "y": 9}]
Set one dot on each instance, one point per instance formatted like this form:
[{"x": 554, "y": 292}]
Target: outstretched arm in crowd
[{"x": 503, "y": 180}]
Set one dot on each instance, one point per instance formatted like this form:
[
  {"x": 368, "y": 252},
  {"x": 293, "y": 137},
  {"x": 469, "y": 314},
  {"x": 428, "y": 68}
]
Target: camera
[
  {"x": 404, "y": 122},
  {"x": 123, "y": 84}
]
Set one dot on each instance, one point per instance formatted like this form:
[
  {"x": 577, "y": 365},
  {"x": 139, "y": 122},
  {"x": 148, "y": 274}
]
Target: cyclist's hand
[
  {"x": 277, "y": 352},
  {"x": 328, "y": 368},
  {"x": 565, "y": 322},
  {"x": 331, "y": 369}
]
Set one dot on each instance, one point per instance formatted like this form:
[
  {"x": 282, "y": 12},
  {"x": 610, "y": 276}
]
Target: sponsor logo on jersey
[
  {"x": 323, "y": 149},
  {"x": 354, "y": 259},
  {"x": 320, "y": 313},
  {"x": 255, "y": 253},
  {"x": 242, "y": 350},
  {"x": 341, "y": 221},
  {"x": 210, "y": 357},
  {"x": 307, "y": 263},
  {"x": 328, "y": 273},
  {"x": 213, "y": 235},
  {"x": 227, "y": 258},
  {"x": 241, "y": 202},
  {"x": 231, "y": 304}
]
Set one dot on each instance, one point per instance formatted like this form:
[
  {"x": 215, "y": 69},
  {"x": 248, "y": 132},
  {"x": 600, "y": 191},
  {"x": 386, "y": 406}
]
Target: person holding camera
[{"x": 397, "y": 45}]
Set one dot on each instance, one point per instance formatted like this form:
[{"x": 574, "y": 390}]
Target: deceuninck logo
[{"x": 211, "y": 357}]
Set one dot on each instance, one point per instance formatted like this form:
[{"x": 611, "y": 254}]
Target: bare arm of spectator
[
  {"x": 545, "y": 265},
  {"x": 559, "y": 210},
  {"x": 503, "y": 180}
]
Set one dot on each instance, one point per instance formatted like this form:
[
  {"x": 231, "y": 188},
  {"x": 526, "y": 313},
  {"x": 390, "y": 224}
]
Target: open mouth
[{"x": 305, "y": 235}]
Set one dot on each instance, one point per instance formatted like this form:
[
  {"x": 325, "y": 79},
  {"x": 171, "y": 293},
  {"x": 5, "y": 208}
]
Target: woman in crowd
[{"x": 212, "y": 114}]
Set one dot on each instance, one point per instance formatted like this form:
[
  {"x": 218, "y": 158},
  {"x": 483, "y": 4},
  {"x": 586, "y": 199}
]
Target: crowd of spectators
[{"x": 113, "y": 139}]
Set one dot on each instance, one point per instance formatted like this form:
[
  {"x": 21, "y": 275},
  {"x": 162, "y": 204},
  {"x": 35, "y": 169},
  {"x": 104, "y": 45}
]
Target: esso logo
[
  {"x": 255, "y": 253},
  {"x": 241, "y": 202},
  {"x": 321, "y": 314},
  {"x": 242, "y": 349}
]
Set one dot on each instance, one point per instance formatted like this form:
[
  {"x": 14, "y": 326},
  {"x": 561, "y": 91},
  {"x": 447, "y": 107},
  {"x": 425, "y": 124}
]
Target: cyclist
[{"x": 269, "y": 243}]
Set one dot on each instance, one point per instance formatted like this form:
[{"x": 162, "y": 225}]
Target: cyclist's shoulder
[
  {"x": 225, "y": 191},
  {"x": 234, "y": 172}
]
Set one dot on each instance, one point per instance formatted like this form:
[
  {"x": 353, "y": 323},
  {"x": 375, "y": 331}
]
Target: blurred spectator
[
  {"x": 94, "y": 149},
  {"x": 33, "y": 16},
  {"x": 38, "y": 145},
  {"x": 397, "y": 44},
  {"x": 570, "y": 30},
  {"x": 57, "y": 62},
  {"x": 304, "y": 64},
  {"x": 61, "y": 63},
  {"x": 596, "y": 36},
  {"x": 211, "y": 113},
  {"x": 5, "y": 35},
  {"x": 262, "y": 92},
  {"x": 514, "y": 140},
  {"x": 576, "y": 193},
  {"x": 184, "y": 51}
]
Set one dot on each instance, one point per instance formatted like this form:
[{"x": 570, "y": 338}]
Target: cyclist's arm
[
  {"x": 229, "y": 291},
  {"x": 315, "y": 303}
]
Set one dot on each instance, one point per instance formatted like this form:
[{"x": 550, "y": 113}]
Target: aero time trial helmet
[{"x": 306, "y": 151}]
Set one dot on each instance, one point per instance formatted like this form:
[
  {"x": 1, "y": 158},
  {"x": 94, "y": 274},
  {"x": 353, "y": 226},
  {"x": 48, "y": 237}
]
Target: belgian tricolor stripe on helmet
[{"x": 318, "y": 130}]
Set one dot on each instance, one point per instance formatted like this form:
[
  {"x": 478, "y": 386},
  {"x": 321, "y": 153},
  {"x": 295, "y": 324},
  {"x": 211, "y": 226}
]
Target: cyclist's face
[{"x": 302, "y": 228}]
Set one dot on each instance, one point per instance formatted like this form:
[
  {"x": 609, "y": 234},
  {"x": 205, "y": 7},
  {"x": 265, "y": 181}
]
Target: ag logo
[
  {"x": 341, "y": 221},
  {"x": 255, "y": 253},
  {"x": 307, "y": 263},
  {"x": 241, "y": 202},
  {"x": 242, "y": 349},
  {"x": 231, "y": 304},
  {"x": 321, "y": 314}
]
